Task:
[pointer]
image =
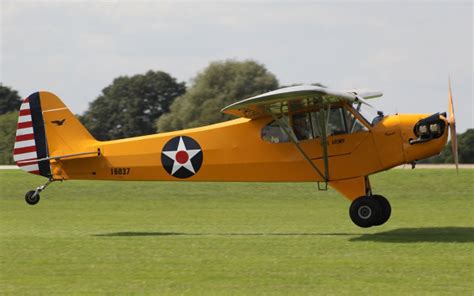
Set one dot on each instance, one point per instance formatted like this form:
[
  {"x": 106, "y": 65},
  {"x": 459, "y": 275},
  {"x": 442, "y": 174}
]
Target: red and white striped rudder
[{"x": 30, "y": 141}]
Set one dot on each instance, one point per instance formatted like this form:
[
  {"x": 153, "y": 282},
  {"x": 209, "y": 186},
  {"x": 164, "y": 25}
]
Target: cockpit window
[
  {"x": 307, "y": 125},
  {"x": 353, "y": 124},
  {"x": 273, "y": 133},
  {"x": 369, "y": 114},
  {"x": 339, "y": 121},
  {"x": 337, "y": 124}
]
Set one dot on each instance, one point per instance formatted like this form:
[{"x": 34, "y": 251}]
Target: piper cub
[{"x": 293, "y": 134}]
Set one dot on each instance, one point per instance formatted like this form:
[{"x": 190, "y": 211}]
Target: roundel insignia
[{"x": 181, "y": 157}]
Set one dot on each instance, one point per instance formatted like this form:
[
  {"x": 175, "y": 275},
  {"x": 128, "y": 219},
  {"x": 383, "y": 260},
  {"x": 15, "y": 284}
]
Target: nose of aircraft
[{"x": 423, "y": 135}]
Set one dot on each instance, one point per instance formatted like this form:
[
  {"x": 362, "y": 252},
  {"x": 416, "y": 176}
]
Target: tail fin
[{"x": 46, "y": 128}]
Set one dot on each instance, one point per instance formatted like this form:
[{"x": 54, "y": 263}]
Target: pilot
[{"x": 300, "y": 126}]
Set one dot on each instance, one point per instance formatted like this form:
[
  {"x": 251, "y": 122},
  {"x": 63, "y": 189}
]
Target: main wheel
[
  {"x": 31, "y": 199},
  {"x": 365, "y": 211},
  {"x": 386, "y": 209}
]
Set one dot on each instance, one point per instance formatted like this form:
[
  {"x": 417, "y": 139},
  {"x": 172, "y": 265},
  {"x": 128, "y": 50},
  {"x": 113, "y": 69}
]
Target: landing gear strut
[
  {"x": 367, "y": 211},
  {"x": 32, "y": 197}
]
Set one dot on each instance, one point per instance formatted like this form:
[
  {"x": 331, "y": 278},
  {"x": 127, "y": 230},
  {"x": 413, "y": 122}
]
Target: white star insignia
[{"x": 182, "y": 157}]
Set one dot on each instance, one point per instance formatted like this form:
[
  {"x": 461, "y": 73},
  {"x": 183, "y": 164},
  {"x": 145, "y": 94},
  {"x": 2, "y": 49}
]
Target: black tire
[
  {"x": 386, "y": 209},
  {"x": 365, "y": 211},
  {"x": 30, "y": 199}
]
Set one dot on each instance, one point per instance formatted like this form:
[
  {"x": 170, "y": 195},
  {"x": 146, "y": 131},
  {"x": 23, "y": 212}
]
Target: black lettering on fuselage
[{"x": 337, "y": 141}]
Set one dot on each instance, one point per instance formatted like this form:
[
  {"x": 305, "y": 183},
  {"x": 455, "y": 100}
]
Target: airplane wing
[{"x": 296, "y": 97}]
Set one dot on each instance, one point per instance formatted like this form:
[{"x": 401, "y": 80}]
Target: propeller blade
[
  {"x": 451, "y": 118},
  {"x": 452, "y": 127}
]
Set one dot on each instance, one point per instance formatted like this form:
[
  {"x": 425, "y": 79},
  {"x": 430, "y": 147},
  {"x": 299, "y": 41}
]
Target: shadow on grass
[
  {"x": 417, "y": 235},
  {"x": 138, "y": 233},
  {"x": 401, "y": 235}
]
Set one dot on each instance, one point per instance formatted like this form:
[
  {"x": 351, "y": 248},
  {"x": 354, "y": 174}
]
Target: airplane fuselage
[{"x": 235, "y": 151}]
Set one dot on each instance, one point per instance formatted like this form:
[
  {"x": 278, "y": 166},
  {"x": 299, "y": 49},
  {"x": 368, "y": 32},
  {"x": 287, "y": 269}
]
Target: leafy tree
[
  {"x": 466, "y": 146},
  {"x": 8, "y": 123},
  {"x": 130, "y": 106},
  {"x": 465, "y": 150},
  {"x": 219, "y": 85},
  {"x": 9, "y": 99}
]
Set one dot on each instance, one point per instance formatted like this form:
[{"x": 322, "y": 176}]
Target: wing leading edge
[{"x": 303, "y": 95}]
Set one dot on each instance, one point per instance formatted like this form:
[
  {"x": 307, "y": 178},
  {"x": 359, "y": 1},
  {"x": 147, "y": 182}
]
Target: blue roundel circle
[{"x": 181, "y": 157}]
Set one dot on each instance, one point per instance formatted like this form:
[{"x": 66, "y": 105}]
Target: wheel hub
[{"x": 364, "y": 212}]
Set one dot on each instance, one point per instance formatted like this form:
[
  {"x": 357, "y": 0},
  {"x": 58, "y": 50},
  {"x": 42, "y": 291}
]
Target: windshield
[{"x": 370, "y": 114}]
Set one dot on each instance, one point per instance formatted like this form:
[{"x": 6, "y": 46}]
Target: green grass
[{"x": 235, "y": 238}]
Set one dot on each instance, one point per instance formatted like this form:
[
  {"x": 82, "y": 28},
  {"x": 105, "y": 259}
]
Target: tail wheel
[
  {"x": 385, "y": 207},
  {"x": 31, "y": 198},
  {"x": 365, "y": 211}
]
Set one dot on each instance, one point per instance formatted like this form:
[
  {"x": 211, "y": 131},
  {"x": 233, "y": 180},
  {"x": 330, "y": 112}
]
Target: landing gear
[
  {"x": 367, "y": 211},
  {"x": 386, "y": 209},
  {"x": 32, "y": 197}
]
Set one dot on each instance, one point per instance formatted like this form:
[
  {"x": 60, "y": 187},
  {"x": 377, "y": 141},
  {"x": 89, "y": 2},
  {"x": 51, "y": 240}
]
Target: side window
[
  {"x": 340, "y": 121},
  {"x": 353, "y": 124},
  {"x": 315, "y": 122},
  {"x": 307, "y": 125},
  {"x": 336, "y": 122},
  {"x": 273, "y": 133}
]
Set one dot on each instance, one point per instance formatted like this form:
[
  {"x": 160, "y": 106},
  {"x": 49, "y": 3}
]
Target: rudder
[
  {"x": 30, "y": 140},
  {"x": 47, "y": 128}
]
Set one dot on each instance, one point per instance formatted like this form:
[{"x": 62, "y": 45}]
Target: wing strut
[
  {"x": 323, "y": 124},
  {"x": 291, "y": 135}
]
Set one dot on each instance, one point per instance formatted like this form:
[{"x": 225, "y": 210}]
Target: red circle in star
[{"x": 182, "y": 157}]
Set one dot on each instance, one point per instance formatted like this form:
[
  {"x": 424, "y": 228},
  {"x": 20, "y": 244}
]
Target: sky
[{"x": 405, "y": 49}]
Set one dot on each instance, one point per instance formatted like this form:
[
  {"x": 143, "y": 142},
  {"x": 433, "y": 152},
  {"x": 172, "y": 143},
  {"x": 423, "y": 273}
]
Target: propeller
[{"x": 452, "y": 127}]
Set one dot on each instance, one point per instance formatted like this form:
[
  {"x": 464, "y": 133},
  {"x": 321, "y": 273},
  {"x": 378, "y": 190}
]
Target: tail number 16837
[{"x": 120, "y": 171}]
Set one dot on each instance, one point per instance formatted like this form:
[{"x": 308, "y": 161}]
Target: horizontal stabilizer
[{"x": 75, "y": 155}]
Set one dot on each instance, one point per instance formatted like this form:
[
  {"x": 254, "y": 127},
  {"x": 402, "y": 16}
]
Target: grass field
[{"x": 236, "y": 238}]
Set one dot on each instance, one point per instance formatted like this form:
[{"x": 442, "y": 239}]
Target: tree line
[{"x": 156, "y": 102}]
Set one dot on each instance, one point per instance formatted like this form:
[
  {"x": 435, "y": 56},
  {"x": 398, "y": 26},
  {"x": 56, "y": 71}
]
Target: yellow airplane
[{"x": 294, "y": 134}]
